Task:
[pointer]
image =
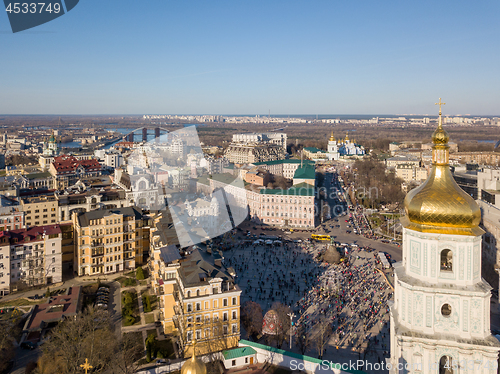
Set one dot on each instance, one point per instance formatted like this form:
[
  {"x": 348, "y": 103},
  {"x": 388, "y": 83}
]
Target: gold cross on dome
[
  {"x": 86, "y": 365},
  {"x": 440, "y": 103}
]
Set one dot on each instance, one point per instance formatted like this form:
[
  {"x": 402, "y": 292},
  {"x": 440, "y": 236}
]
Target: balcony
[
  {"x": 177, "y": 310},
  {"x": 97, "y": 253},
  {"x": 94, "y": 245}
]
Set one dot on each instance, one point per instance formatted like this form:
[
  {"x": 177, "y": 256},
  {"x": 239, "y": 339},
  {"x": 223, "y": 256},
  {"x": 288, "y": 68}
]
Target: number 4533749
[{"x": 33, "y": 8}]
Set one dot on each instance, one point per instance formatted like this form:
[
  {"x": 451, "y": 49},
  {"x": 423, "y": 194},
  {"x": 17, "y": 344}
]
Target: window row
[
  {"x": 206, "y": 317},
  {"x": 197, "y": 306},
  {"x": 216, "y": 332}
]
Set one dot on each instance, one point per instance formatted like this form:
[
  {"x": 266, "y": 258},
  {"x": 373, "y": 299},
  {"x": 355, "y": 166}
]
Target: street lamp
[{"x": 291, "y": 315}]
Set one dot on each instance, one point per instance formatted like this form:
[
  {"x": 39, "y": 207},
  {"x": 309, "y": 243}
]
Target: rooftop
[
  {"x": 312, "y": 149},
  {"x": 289, "y": 161},
  {"x": 231, "y": 354},
  {"x": 85, "y": 218},
  {"x": 301, "y": 189},
  {"x": 55, "y": 309},
  {"x": 199, "y": 268},
  {"x": 305, "y": 172},
  {"x": 32, "y": 234}
]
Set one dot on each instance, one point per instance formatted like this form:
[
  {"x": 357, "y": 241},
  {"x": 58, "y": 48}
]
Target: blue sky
[{"x": 249, "y": 57}]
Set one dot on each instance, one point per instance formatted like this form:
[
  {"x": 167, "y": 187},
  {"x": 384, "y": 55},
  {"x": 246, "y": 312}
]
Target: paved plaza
[{"x": 352, "y": 296}]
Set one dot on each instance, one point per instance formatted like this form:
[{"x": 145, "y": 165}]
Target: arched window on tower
[
  {"x": 446, "y": 260},
  {"x": 446, "y": 365}
]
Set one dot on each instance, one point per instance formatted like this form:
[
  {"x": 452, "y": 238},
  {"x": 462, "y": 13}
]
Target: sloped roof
[
  {"x": 231, "y": 354},
  {"x": 66, "y": 164},
  {"x": 31, "y": 234},
  {"x": 85, "y": 218},
  {"x": 169, "y": 253},
  {"x": 305, "y": 172},
  {"x": 313, "y": 149},
  {"x": 200, "y": 264}
]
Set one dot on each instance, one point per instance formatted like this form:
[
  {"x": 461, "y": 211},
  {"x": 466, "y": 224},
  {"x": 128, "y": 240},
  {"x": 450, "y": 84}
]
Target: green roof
[
  {"x": 313, "y": 149},
  {"x": 226, "y": 178},
  {"x": 298, "y": 355},
  {"x": 231, "y": 354},
  {"x": 39, "y": 175},
  {"x": 305, "y": 172},
  {"x": 204, "y": 180},
  {"x": 289, "y": 161},
  {"x": 301, "y": 189}
]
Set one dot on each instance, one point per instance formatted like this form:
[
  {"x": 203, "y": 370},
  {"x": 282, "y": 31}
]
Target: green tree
[{"x": 139, "y": 273}]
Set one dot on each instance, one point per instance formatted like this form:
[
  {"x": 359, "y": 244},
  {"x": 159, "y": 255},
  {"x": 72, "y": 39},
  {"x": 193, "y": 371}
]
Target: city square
[{"x": 351, "y": 296}]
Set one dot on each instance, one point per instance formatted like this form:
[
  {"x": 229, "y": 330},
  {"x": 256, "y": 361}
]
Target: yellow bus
[{"x": 320, "y": 237}]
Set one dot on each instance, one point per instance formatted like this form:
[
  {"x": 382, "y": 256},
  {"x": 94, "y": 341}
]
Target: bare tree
[
  {"x": 303, "y": 338},
  {"x": 251, "y": 317},
  {"x": 130, "y": 350},
  {"x": 322, "y": 336},
  {"x": 7, "y": 350},
  {"x": 89, "y": 335},
  {"x": 283, "y": 326}
]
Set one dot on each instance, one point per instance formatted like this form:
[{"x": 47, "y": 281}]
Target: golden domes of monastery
[
  {"x": 194, "y": 366},
  {"x": 439, "y": 205}
]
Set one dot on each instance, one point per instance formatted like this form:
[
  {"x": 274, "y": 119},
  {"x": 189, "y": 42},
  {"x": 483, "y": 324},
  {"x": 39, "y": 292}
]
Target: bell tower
[
  {"x": 440, "y": 316},
  {"x": 333, "y": 152}
]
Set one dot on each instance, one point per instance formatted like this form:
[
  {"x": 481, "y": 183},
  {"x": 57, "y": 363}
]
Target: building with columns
[{"x": 440, "y": 316}]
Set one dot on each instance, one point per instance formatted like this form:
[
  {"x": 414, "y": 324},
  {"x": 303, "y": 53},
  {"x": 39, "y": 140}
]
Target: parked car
[{"x": 28, "y": 345}]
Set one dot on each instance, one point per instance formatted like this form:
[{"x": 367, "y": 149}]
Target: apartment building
[
  {"x": 40, "y": 210},
  {"x": 110, "y": 240},
  {"x": 393, "y": 162},
  {"x": 197, "y": 297},
  {"x": 30, "y": 257},
  {"x": 11, "y": 218},
  {"x": 246, "y": 154},
  {"x": 283, "y": 168},
  {"x": 4, "y": 268},
  {"x": 88, "y": 195},
  {"x": 277, "y": 138},
  {"x": 67, "y": 170}
]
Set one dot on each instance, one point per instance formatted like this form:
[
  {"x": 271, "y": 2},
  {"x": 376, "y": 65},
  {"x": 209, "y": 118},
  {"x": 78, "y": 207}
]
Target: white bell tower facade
[{"x": 440, "y": 316}]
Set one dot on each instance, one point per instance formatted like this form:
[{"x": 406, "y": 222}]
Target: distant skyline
[{"x": 286, "y": 56}]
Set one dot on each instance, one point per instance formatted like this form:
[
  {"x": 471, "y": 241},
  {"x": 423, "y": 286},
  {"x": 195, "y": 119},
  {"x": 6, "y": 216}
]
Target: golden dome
[
  {"x": 440, "y": 136},
  {"x": 439, "y": 205},
  {"x": 194, "y": 366},
  {"x": 332, "y": 139},
  {"x": 346, "y": 136}
]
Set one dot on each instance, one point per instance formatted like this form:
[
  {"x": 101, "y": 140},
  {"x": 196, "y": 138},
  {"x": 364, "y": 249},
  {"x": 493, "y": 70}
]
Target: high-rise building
[{"x": 440, "y": 317}]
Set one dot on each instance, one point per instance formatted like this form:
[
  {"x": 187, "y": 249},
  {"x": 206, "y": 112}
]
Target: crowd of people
[
  {"x": 274, "y": 273},
  {"x": 351, "y": 296}
]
